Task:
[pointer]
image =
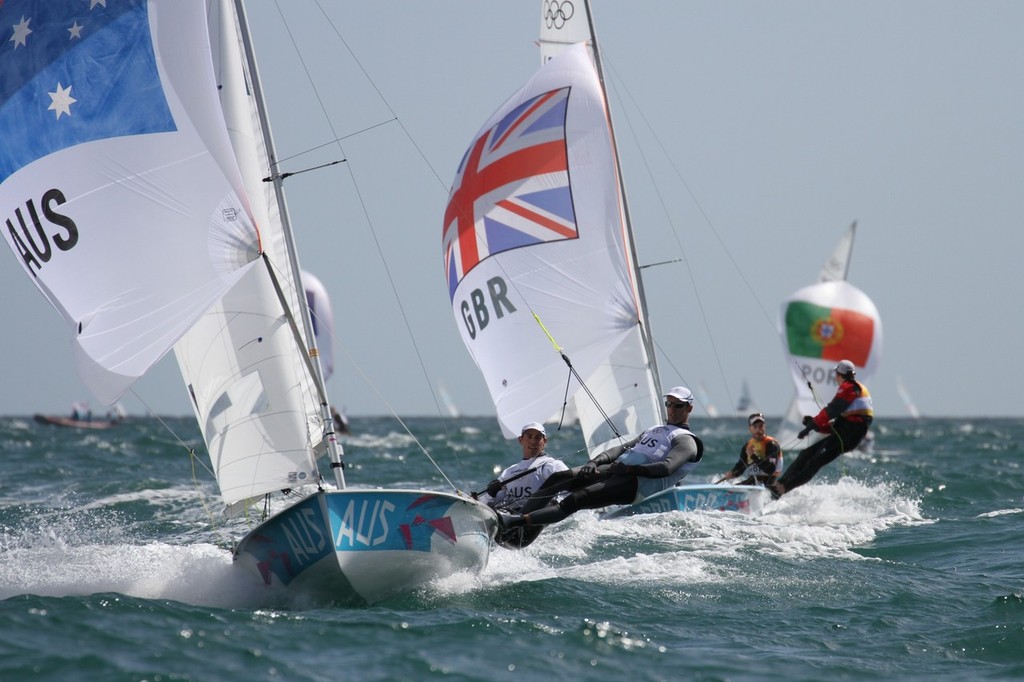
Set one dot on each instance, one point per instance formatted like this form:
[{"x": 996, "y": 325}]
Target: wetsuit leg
[
  {"x": 610, "y": 490},
  {"x": 844, "y": 437},
  {"x": 809, "y": 461},
  {"x": 556, "y": 483}
]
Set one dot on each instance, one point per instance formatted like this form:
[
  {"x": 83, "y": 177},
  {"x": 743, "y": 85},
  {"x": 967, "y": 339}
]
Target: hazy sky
[{"x": 752, "y": 134}]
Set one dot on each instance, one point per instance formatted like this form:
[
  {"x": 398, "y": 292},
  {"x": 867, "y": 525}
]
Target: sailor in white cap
[
  {"x": 516, "y": 483},
  {"x": 845, "y": 419},
  {"x": 653, "y": 461}
]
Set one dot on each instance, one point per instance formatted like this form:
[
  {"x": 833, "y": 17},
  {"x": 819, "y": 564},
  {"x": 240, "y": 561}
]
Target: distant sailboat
[
  {"x": 746, "y": 403},
  {"x": 322, "y": 314},
  {"x": 703, "y": 398},
  {"x": 905, "y": 397},
  {"x": 821, "y": 324},
  {"x": 450, "y": 408}
]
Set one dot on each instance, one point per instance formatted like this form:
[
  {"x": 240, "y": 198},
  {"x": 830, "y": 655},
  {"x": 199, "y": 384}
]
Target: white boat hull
[
  {"x": 745, "y": 499},
  {"x": 362, "y": 546}
]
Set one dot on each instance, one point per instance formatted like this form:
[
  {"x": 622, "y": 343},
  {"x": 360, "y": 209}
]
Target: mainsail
[
  {"x": 539, "y": 259},
  {"x": 821, "y": 324},
  {"x": 251, "y": 392},
  {"x": 83, "y": 133}
]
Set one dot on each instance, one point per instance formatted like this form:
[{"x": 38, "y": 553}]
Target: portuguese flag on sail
[{"x": 815, "y": 331}]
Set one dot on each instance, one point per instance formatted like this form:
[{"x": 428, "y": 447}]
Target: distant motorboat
[{"x": 54, "y": 420}]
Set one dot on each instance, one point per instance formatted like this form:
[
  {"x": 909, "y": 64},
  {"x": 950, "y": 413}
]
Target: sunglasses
[{"x": 670, "y": 405}]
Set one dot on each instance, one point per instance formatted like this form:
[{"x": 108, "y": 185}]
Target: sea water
[{"x": 902, "y": 564}]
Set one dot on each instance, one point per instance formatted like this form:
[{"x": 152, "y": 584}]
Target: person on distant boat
[
  {"x": 654, "y": 461},
  {"x": 517, "y": 483},
  {"x": 340, "y": 421},
  {"x": 760, "y": 457},
  {"x": 845, "y": 419}
]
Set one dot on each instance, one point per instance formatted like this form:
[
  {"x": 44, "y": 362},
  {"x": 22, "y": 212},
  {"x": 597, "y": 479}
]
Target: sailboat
[
  {"x": 81, "y": 417},
  {"x": 322, "y": 317},
  {"x": 908, "y": 402},
  {"x": 164, "y": 161},
  {"x": 823, "y": 323},
  {"x": 540, "y": 260},
  {"x": 745, "y": 403}
]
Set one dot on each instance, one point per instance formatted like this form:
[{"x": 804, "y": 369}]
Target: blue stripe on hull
[
  {"x": 743, "y": 499},
  {"x": 360, "y": 546}
]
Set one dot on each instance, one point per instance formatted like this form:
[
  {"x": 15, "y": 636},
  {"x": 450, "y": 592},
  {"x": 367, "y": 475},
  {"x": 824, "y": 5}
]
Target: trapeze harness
[
  {"x": 852, "y": 411},
  {"x": 653, "y": 446},
  {"x": 514, "y": 495}
]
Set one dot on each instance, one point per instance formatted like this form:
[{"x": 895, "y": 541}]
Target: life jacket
[
  {"x": 859, "y": 408},
  {"x": 760, "y": 448},
  {"x": 654, "y": 444}
]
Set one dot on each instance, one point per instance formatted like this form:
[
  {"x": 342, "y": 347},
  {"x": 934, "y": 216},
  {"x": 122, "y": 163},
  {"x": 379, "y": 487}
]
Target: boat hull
[
  {"x": 745, "y": 499},
  {"x": 362, "y": 546},
  {"x": 53, "y": 420}
]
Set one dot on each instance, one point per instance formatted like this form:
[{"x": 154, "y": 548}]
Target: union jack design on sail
[{"x": 512, "y": 188}]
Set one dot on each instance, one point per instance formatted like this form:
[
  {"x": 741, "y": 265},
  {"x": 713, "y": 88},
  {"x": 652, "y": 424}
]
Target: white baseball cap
[
  {"x": 681, "y": 393},
  {"x": 534, "y": 426},
  {"x": 845, "y": 367}
]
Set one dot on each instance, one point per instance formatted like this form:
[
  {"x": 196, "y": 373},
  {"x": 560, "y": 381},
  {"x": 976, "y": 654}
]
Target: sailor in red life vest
[
  {"x": 760, "y": 457},
  {"x": 846, "y": 420}
]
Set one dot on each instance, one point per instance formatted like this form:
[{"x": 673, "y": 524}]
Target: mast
[
  {"x": 645, "y": 329},
  {"x": 334, "y": 448}
]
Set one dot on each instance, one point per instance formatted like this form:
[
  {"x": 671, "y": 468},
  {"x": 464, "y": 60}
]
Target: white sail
[
  {"x": 122, "y": 199},
  {"x": 822, "y": 324},
  {"x": 535, "y": 234},
  {"x": 745, "y": 404},
  {"x": 241, "y": 363},
  {"x": 563, "y": 23},
  {"x": 908, "y": 402},
  {"x": 837, "y": 267},
  {"x": 249, "y": 361},
  {"x": 319, "y": 302}
]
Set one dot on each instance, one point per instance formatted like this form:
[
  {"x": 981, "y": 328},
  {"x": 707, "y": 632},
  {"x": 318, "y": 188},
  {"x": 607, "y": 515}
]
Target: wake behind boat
[
  {"x": 540, "y": 258},
  {"x": 166, "y": 161}
]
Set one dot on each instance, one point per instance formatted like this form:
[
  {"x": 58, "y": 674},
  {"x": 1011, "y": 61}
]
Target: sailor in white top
[
  {"x": 516, "y": 483},
  {"x": 657, "y": 459}
]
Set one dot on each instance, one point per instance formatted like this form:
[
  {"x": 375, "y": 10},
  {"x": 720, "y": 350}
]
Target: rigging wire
[
  {"x": 366, "y": 214},
  {"x": 620, "y": 85}
]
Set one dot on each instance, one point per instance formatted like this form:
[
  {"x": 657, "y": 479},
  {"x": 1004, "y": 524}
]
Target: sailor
[
  {"x": 655, "y": 460},
  {"x": 516, "y": 483},
  {"x": 760, "y": 456},
  {"x": 845, "y": 419}
]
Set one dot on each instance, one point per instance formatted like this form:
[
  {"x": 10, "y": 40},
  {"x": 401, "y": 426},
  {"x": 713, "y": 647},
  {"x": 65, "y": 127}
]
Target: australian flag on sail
[
  {"x": 512, "y": 188},
  {"x": 74, "y": 71}
]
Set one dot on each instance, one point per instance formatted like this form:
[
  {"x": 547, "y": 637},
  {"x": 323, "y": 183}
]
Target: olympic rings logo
[{"x": 558, "y": 12}]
